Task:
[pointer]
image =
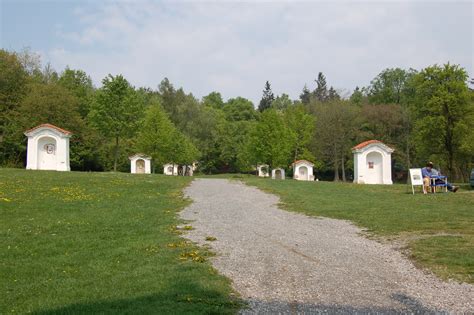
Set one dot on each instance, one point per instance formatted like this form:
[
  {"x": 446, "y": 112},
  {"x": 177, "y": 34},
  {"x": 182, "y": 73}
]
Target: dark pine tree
[
  {"x": 305, "y": 96},
  {"x": 357, "y": 96},
  {"x": 332, "y": 94},
  {"x": 267, "y": 98},
  {"x": 321, "y": 91}
]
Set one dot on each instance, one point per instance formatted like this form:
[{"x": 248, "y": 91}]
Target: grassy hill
[
  {"x": 437, "y": 229},
  {"x": 107, "y": 242},
  {"x": 101, "y": 243}
]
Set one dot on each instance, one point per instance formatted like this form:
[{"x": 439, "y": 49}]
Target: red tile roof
[
  {"x": 365, "y": 143},
  {"x": 67, "y": 132},
  {"x": 142, "y": 155},
  {"x": 302, "y": 161}
]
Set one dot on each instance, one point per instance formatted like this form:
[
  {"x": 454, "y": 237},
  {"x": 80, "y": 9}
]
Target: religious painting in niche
[
  {"x": 371, "y": 164},
  {"x": 49, "y": 148}
]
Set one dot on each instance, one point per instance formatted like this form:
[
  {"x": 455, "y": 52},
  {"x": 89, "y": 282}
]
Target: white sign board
[{"x": 416, "y": 178}]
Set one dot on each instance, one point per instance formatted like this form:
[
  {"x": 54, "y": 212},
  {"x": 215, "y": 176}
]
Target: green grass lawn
[
  {"x": 82, "y": 243},
  {"x": 438, "y": 229}
]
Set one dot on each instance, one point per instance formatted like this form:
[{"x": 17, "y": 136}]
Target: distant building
[
  {"x": 140, "y": 164},
  {"x": 303, "y": 170},
  {"x": 170, "y": 169},
  {"x": 263, "y": 170},
  {"x": 181, "y": 170},
  {"x": 372, "y": 163},
  {"x": 48, "y": 148},
  {"x": 278, "y": 173}
]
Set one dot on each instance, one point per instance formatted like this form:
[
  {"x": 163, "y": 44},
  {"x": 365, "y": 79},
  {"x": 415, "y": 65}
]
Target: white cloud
[{"x": 235, "y": 47}]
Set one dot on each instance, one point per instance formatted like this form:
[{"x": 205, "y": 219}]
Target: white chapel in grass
[
  {"x": 303, "y": 170},
  {"x": 263, "y": 170},
  {"x": 278, "y": 173},
  {"x": 372, "y": 163},
  {"x": 48, "y": 148},
  {"x": 140, "y": 164}
]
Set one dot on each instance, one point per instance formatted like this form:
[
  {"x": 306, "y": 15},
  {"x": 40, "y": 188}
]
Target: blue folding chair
[{"x": 439, "y": 181}]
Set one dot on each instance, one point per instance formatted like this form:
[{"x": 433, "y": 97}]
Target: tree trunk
[
  {"x": 408, "y": 154},
  {"x": 336, "y": 163},
  {"x": 448, "y": 141},
  {"x": 336, "y": 170},
  {"x": 116, "y": 153},
  {"x": 343, "y": 169}
]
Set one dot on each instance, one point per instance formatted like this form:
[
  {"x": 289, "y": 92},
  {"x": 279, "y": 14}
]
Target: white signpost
[{"x": 416, "y": 179}]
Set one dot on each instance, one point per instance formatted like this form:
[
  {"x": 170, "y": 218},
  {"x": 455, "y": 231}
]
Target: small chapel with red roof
[
  {"x": 48, "y": 148},
  {"x": 372, "y": 163}
]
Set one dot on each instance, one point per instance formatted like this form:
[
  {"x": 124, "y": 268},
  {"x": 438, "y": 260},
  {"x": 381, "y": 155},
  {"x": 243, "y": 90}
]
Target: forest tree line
[{"x": 425, "y": 114}]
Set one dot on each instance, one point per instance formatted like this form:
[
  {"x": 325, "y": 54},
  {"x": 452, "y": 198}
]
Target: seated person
[{"x": 428, "y": 172}]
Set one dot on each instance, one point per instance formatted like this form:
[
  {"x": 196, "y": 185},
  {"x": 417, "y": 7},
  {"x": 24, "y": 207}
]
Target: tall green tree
[
  {"x": 159, "y": 138},
  {"x": 282, "y": 102},
  {"x": 442, "y": 110},
  {"x": 240, "y": 115},
  {"x": 321, "y": 92},
  {"x": 183, "y": 150},
  {"x": 333, "y": 95},
  {"x": 357, "y": 97},
  {"x": 167, "y": 93},
  {"x": 390, "y": 86},
  {"x": 13, "y": 88},
  {"x": 205, "y": 129},
  {"x": 31, "y": 63},
  {"x": 213, "y": 100},
  {"x": 239, "y": 108},
  {"x": 267, "y": 98},
  {"x": 335, "y": 129},
  {"x": 305, "y": 95},
  {"x": 271, "y": 140},
  {"x": 80, "y": 84},
  {"x": 49, "y": 75},
  {"x": 116, "y": 111},
  {"x": 301, "y": 127},
  {"x": 155, "y": 137}
]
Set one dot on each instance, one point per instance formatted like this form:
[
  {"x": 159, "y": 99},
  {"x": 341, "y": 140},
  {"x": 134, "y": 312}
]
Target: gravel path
[{"x": 288, "y": 263}]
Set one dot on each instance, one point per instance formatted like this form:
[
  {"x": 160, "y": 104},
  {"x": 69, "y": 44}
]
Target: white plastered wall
[
  {"x": 173, "y": 171},
  {"x": 133, "y": 164},
  {"x": 260, "y": 171},
  {"x": 274, "y": 171},
  {"x": 303, "y": 171},
  {"x": 38, "y": 159},
  {"x": 362, "y": 157}
]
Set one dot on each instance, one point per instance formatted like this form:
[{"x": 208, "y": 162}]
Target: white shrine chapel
[
  {"x": 303, "y": 170},
  {"x": 48, "y": 148},
  {"x": 372, "y": 163},
  {"x": 278, "y": 173},
  {"x": 140, "y": 164},
  {"x": 263, "y": 170}
]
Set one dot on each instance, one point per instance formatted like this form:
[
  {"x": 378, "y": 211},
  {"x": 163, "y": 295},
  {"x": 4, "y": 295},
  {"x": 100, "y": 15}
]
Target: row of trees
[{"x": 424, "y": 115}]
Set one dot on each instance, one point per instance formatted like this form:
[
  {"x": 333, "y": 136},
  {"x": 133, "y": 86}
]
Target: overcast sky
[{"x": 234, "y": 47}]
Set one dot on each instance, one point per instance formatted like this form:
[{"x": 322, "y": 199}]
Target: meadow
[
  {"x": 103, "y": 243},
  {"x": 110, "y": 242},
  {"x": 435, "y": 230}
]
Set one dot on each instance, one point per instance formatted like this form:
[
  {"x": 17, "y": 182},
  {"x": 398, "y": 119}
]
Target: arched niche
[
  {"x": 47, "y": 153},
  {"x": 48, "y": 148},
  {"x": 372, "y": 163}
]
